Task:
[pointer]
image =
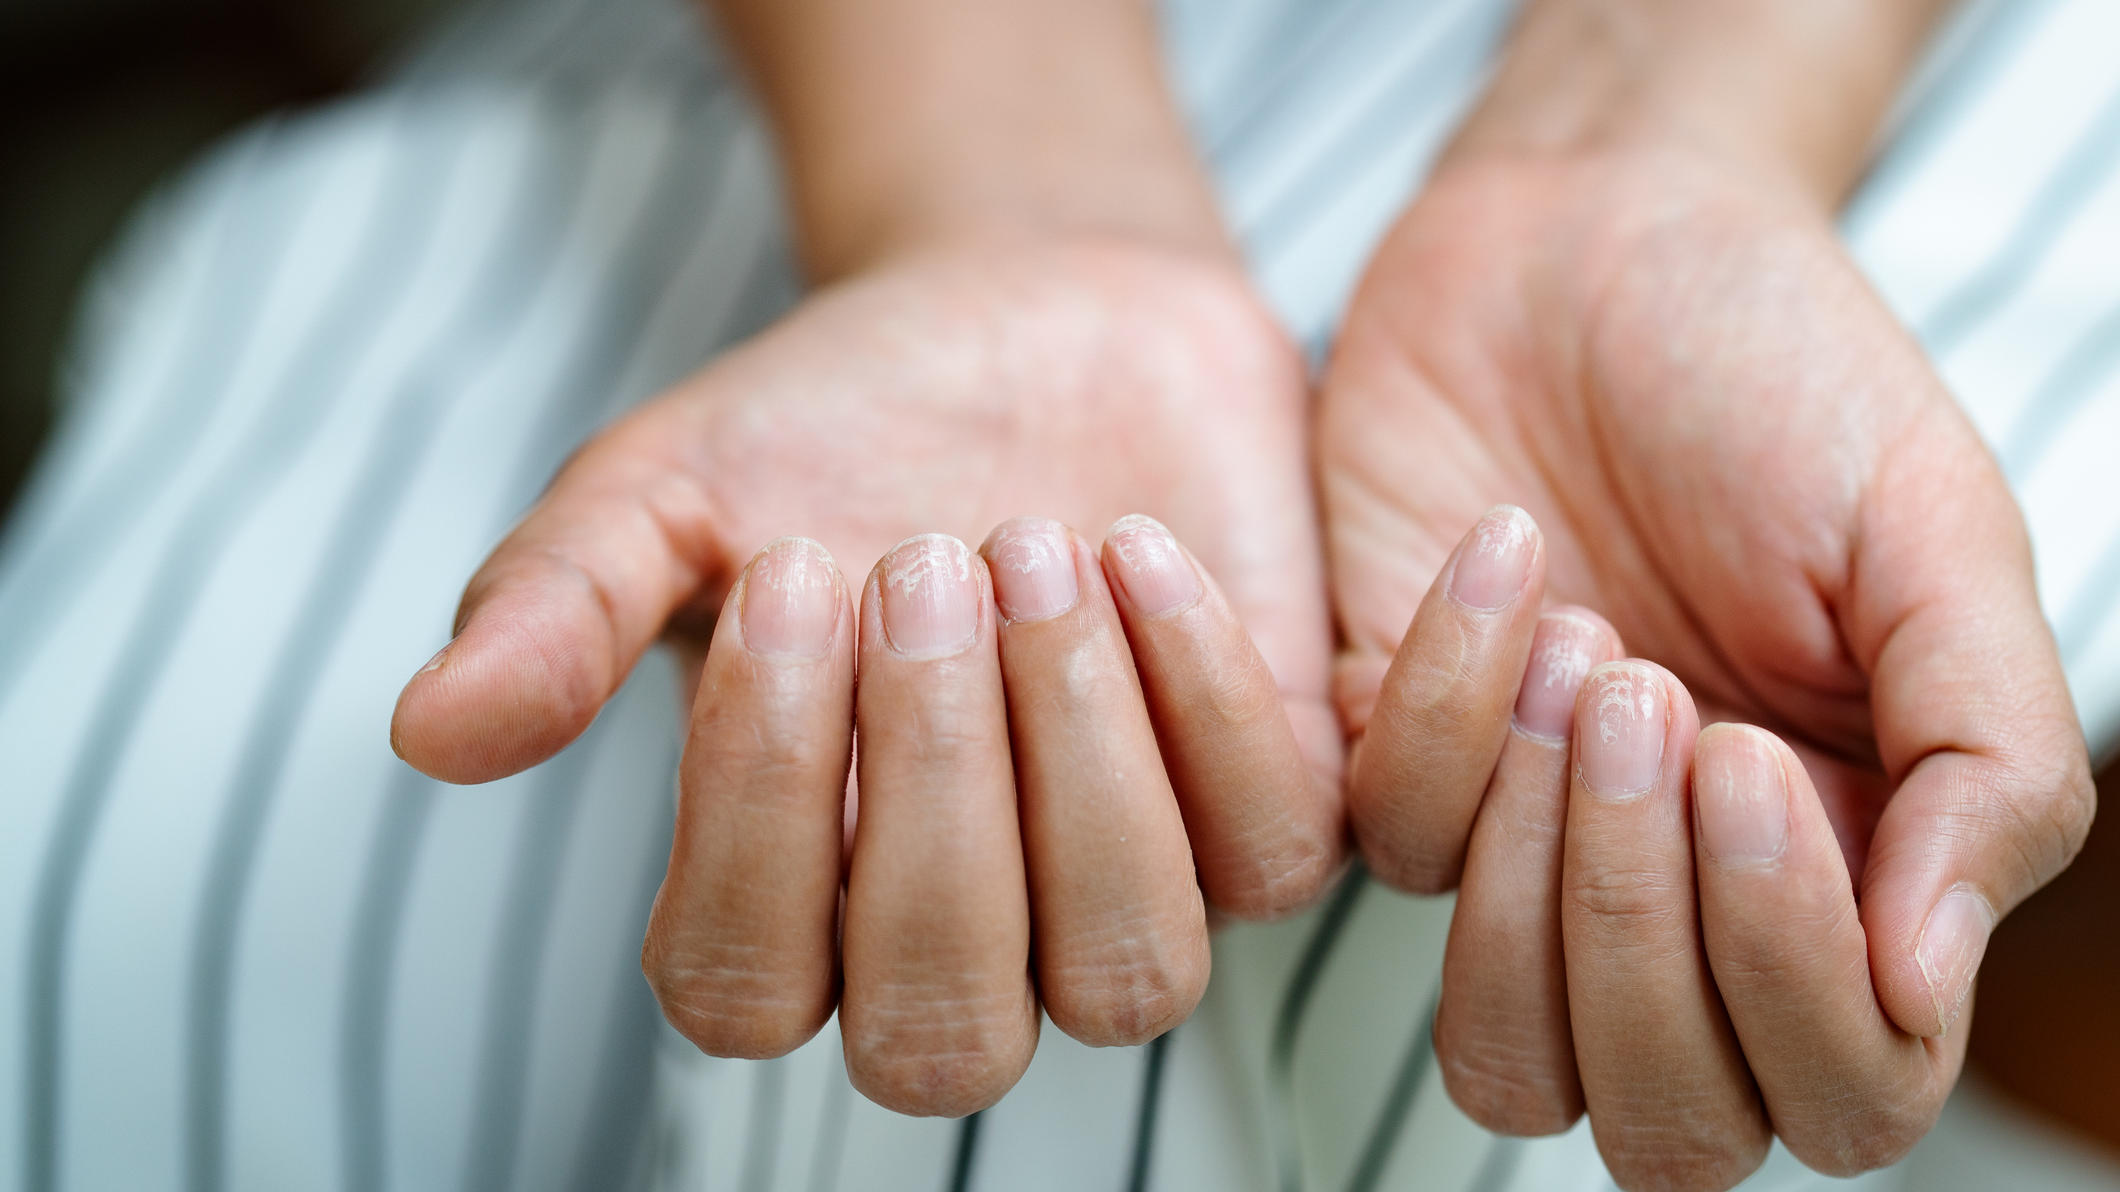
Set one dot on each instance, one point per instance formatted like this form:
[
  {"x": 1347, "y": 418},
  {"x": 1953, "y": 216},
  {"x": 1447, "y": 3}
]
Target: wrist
[
  {"x": 1785, "y": 94},
  {"x": 925, "y": 122}
]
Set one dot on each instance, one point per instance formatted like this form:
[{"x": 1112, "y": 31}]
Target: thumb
[
  {"x": 1974, "y": 723},
  {"x": 557, "y": 616}
]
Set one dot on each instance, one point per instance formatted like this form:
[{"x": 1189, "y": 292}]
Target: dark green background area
[{"x": 101, "y": 98}]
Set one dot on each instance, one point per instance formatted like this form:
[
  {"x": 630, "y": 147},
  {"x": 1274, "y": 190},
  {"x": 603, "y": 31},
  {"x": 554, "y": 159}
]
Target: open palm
[{"x": 1740, "y": 459}]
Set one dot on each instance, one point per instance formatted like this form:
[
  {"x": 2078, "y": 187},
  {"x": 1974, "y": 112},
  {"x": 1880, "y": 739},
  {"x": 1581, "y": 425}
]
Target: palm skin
[
  {"x": 1084, "y": 384},
  {"x": 1740, "y": 459},
  {"x": 947, "y": 389},
  {"x": 1715, "y": 421}
]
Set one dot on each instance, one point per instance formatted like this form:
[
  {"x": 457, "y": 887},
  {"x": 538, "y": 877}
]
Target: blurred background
[{"x": 101, "y": 98}]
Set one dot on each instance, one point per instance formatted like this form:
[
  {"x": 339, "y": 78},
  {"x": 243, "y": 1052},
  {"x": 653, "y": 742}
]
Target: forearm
[
  {"x": 1791, "y": 88},
  {"x": 905, "y": 121}
]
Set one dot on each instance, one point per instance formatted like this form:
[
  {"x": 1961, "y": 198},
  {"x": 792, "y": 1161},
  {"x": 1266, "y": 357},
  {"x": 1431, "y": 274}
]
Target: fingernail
[
  {"x": 1619, "y": 734},
  {"x": 1033, "y": 563},
  {"x": 1742, "y": 794},
  {"x": 791, "y": 600},
  {"x": 1154, "y": 573},
  {"x": 435, "y": 663},
  {"x": 1494, "y": 560},
  {"x": 930, "y": 600},
  {"x": 1952, "y": 943},
  {"x": 1563, "y": 648}
]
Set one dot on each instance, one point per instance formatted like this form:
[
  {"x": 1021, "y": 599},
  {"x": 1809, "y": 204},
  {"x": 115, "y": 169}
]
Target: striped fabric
[{"x": 328, "y": 366}]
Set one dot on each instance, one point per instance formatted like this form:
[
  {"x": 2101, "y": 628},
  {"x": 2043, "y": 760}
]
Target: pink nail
[
  {"x": 791, "y": 600},
  {"x": 1741, "y": 794},
  {"x": 1494, "y": 560},
  {"x": 1563, "y": 649},
  {"x": 1619, "y": 730},
  {"x": 1155, "y": 575},
  {"x": 1033, "y": 563},
  {"x": 1952, "y": 943},
  {"x": 930, "y": 599}
]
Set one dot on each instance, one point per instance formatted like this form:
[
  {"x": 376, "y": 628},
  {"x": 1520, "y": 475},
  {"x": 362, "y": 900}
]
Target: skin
[
  {"x": 1000, "y": 325},
  {"x": 1787, "y": 513}
]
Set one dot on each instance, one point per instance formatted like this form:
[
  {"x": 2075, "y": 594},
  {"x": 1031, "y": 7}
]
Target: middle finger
[
  {"x": 1671, "y": 1101},
  {"x": 1120, "y": 930}
]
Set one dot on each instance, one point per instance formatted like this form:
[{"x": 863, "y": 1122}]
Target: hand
[
  {"x": 1742, "y": 461},
  {"x": 944, "y": 389}
]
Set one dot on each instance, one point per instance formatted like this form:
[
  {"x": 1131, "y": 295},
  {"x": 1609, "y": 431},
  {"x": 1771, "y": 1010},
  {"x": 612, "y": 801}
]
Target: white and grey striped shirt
[{"x": 326, "y": 368}]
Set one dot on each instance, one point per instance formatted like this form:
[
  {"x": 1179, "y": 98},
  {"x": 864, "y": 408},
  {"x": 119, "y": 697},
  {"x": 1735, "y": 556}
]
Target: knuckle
[
  {"x": 1400, "y": 855},
  {"x": 733, "y": 1001},
  {"x": 930, "y": 1055},
  {"x": 1140, "y": 986},
  {"x": 2073, "y": 809},
  {"x": 1808, "y": 940},
  {"x": 1631, "y": 902},
  {"x": 1506, "y": 1086},
  {"x": 2041, "y": 799},
  {"x": 1682, "y": 1156},
  {"x": 1280, "y": 881},
  {"x": 1852, "y": 1133}
]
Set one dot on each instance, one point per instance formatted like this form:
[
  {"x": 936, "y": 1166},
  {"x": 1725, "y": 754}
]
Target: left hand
[{"x": 1742, "y": 460}]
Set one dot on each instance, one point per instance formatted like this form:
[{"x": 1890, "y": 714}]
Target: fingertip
[
  {"x": 1634, "y": 725},
  {"x": 1567, "y": 642},
  {"x": 1036, "y": 565},
  {"x": 1497, "y": 560},
  {"x": 791, "y": 600},
  {"x": 1148, "y": 569},
  {"x": 499, "y": 700}
]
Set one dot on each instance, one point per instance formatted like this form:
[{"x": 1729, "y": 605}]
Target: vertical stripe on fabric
[
  {"x": 613, "y": 1142},
  {"x": 1152, "y": 1067},
  {"x": 647, "y": 262},
  {"x": 215, "y": 196},
  {"x": 502, "y": 300},
  {"x": 1398, "y": 1102},
  {"x": 1289, "y": 1021},
  {"x": 371, "y": 971},
  {"x": 2095, "y": 602},
  {"x": 1422, "y": 84},
  {"x": 404, "y": 437},
  {"x": 250, "y": 232},
  {"x": 1990, "y": 47},
  {"x": 831, "y": 1133},
  {"x": 1275, "y": 69},
  {"x": 181, "y": 573},
  {"x": 645, "y": 254},
  {"x": 1504, "y": 1156},
  {"x": 761, "y": 1145},
  {"x": 512, "y": 986},
  {"x": 2086, "y": 366},
  {"x": 966, "y": 1155},
  {"x": 2082, "y": 170}
]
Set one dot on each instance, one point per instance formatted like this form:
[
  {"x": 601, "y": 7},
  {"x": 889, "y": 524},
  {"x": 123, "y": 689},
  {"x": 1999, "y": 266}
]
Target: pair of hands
[{"x": 1704, "y": 938}]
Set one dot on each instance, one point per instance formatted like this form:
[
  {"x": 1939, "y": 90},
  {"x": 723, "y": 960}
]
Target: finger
[
  {"x": 1264, "y": 825},
  {"x": 1440, "y": 720},
  {"x": 1974, "y": 724},
  {"x": 1502, "y": 1037},
  {"x": 1120, "y": 933},
  {"x": 1671, "y": 1103},
  {"x": 937, "y": 1014},
  {"x": 742, "y": 945},
  {"x": 562, "y": 609},
  {"x": 1847, "y": 1090}
]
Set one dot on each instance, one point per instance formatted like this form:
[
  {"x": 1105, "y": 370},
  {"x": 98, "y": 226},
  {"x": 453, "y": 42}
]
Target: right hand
[{"x": 947, "y": 389}]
